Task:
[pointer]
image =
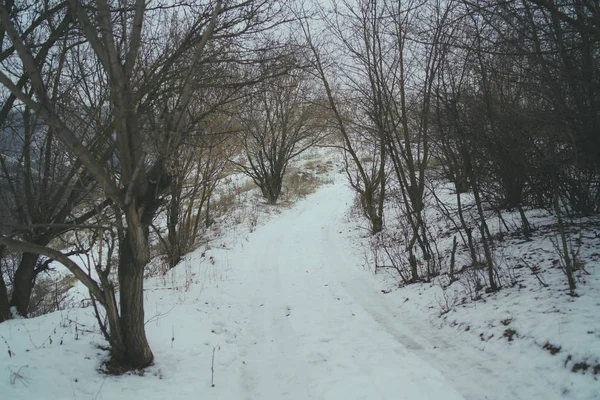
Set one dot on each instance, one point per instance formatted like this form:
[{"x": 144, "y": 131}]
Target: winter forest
[{"x": 300, "y": 199}]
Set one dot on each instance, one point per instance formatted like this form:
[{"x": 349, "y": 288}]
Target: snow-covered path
[
  {"x": 288, "y": 310},
  {"x": 288, "y": 313},
  {"x": 307, "y": 335}
]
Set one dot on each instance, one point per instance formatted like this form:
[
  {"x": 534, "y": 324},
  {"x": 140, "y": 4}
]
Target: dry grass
[
  {"x": 318, "y": 167},
  {"x": 50, "y": 295},
  {"x": 434, "y": 163},
  {"x": 298, "y": 184},
  {"x": 228, "y": 198}
]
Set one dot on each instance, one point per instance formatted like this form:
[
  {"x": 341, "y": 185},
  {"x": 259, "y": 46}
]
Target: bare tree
[
  {"x": 279, "y": 121},
  {"x": 196, "y": 174},
  {"x": 42, "y": 184},
  {"x": 131, "y": 178},
  {"x": 366, "y": 170},
  {"x": 392, "y": 55},
  {"x": 43, "y": 188}
]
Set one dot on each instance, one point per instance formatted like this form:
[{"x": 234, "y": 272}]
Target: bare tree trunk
[
  {"x": 414, "y": 272},
  {"x": 372, "y": 206},
  {"x": 4, "y": 304},
  {"x": 5, "y": 313},
  {"x": 271, "y": 189},
  {"x": 23, "y": 283},
  {"x": 486, "y": 238},
  {"x": 133, "y": 257},
  {"x": 484, "y": 231},
  {"x": 174, "y": 239},
  {"x": 453, "y": 259},
  {"x": 206, "y": 216},
  {"x": 565, "y": 248},
  {"x": 524, "y": 222},
  {"x": 137, "y": 349},
  {"x": 468, "y": 230}
]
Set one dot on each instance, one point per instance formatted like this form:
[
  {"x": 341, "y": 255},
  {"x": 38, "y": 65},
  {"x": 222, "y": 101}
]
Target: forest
[{"x": 120, "y": 121}]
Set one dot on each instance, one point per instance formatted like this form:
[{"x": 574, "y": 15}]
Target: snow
[{"x": 292, "y": 311}]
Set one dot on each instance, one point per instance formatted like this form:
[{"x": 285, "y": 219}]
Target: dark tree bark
[
  {"x": 24, "y": 281},
  {"x": 135, "y": 352},
  {"x": 5, "y": 313},
  {"x": 134, "y": 191}
]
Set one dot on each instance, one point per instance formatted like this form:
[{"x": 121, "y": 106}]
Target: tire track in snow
[
  {"x": 415, "y": 333},
  {"x": 308, "y": 340}
]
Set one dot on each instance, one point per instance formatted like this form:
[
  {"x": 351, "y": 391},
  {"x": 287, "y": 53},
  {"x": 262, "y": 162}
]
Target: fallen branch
[{"x": 534, "y": 271}]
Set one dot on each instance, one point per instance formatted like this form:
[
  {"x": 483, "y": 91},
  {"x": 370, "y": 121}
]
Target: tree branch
[{"x": 60, "y": 257}]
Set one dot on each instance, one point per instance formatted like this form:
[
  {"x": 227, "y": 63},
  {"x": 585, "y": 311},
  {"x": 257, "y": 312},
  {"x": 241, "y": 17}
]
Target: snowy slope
[{"x": 290, "y": 313}]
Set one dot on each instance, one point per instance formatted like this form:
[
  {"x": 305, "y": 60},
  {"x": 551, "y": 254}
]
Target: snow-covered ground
[{"x": 292, "y": 311}]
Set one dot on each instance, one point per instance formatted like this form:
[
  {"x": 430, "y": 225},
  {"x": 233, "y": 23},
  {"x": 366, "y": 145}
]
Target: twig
[
  {"x": 99, "y": 389},
  {"x": 101, "y": 323},
  {"x": 158, "y": 316},
  {"x": 10, "y": 352},
  {"x": 534, "y": 272},
  {"x": 14, "y": 375},
  {"x": 212, "y": 369}
]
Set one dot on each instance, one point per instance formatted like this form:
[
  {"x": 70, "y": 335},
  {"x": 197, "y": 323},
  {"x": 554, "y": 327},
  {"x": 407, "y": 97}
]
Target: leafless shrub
[
  {"x": 298, "y": 184},
  {"x": 50, "y": 294},
  {"x": 449, "y": 299},
  {"x": 389, "y": 254},
  {"x": 474, "y": 281}
]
